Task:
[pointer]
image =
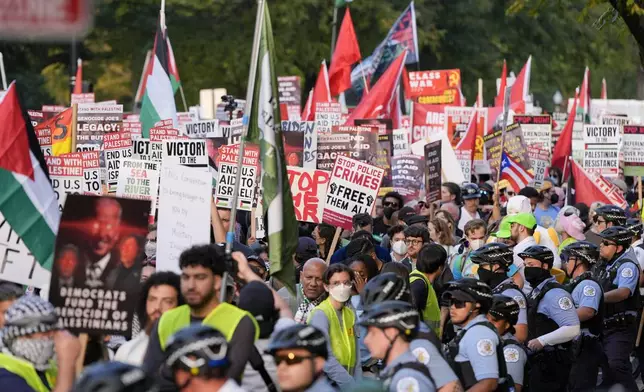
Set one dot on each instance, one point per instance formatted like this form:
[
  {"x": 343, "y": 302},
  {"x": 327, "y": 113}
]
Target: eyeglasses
[
  {"x": 414, "y": 242},
  {"x": 291, "y": 359},
  {"x": 596, "y": 220},
  {"x": 390, "y": 204},
  {"x": 338, "y": 284},
  {"x": 608, "y": 243},
  {"x": 457, "y": 303}
]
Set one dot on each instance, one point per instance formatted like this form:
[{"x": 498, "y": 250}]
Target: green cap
[
  {"x": 524, "y": 219},
  {"x": 504, "y": 229}
]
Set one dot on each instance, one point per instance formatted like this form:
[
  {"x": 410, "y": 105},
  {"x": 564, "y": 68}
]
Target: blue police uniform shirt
[
  {"x": 558, "y": 305},
  {"x": 321, "y": 385},
  {"x": 478, "y": 346},
  {"x": 628, "y": 275},
  {"x": 408, "y": 380},
  {"x": 518, "y": 297},
  {"x": 515, "y": 360},
  {"x": 427, "y": 354}
]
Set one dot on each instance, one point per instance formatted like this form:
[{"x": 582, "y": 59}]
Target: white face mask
[
  {"x": 340, "y": 293},
  {"x": 150, "y": 249},
  {"x": 475, "y": 244},
  {"x": 399, "y": 248}
]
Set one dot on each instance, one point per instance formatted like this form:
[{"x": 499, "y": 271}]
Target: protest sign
[
  {"x": 66, "y": 175},
  {"x": 481, "y": 165},
  {"x": 615, "y": 120},
  {"x": 167, "y": 124},
  {"x": 294, "y": 133},
  {"x": 402, "y": 145},
  {"x": 36, "y": 117},
  {"x": 186, "y": 152},
  {"x": 359, "y": 143},
  {"x": 514, "y": 146},
  {"x": 133, "y": 127},
  {"x": 433, "y": 174},
  {"x": 202, "y": 129},
  {"x": 232, "y": 130},
  {"x": 436, "y": 87},
  {"x": 407, "y": 175},
  {"x": 353, "y": 189},
  {"x": 537, "y": 130},
  {"x": 578, "y": 137},
  {"x": 308, "y": 187},
  {"x": 456, "y": 121},
  {"x": 227, "y": 163},
  {"x": 44, "y": 139},
  {"x": 84, "y": 98},
  {"x": 540, "y": 160},
  {"x": 184, "y": 213},
  {"x": 91, "y": 173},
  {"x": 93, "y": 122},
  {"x": 146, "y": 150},
  {"x": 310, "y": 151},
  {"x": 290, "y": 95},
  {"x": 428, "y": 120},
  {"x": 117, "y": 145},
  {"x": 385, "y": 150},
  {"x": 601, "y": 149},
  {"x": 183, "y": 118},
  {"x": 327, "y": 116},
  {"x": 50, "y": 111},
  {"x": 138, "y": 179},
  {"x": 464, "y": 158},
  {"x": 159, "y": 134},
  {"x": 96, "y": 275},
  {"x": 633, "y": 148}
]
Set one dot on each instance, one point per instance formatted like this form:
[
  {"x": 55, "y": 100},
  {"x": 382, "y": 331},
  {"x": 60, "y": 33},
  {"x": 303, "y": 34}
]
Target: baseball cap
[
  {"x": 406, "y": 212},
  {"x": 518, "y": 204},
  {"x": 257, "y": 299},
  {"x": 504, "y": 231},
  {"x": 524, "y": 219},
  {"x": 416, "y": 219},
  {"x": 547, "y": 184},
  {"x": 306, "y": 245}
]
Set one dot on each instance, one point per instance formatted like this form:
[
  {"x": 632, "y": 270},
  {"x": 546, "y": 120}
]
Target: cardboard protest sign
[
  {"x": 117, "y": 145},
  {"x": 36, "y": 117},
  {"x": 146, "y": 150},
  {"x": 540, "y": 160},
  {"x": 514, "y": 146},
  {"x": 294, "y": 133},
  {"x": 17, "y": 263},
  {"x": 327, "y": 116},
  {"x": 433, "y": 174},
  {"x": 232, "y": 130},
  {"x": 50, "y": 111},
  {"x": 359, "y": 143},
  {"x": 353, "y": 189},
  {"x": 186, "y": 152},
  {"x": 436, "y": 87},
  {"x": 44, "y": 139},
  {"x": 184, "y": 213},
  {"x": 183, "y": 118},
  {"x": 632, "y": 147},
  {"x": 615, "y": 120},
  {"x": 401, "y": 140},
  {"x": 83, "y": 98},
  {"x": 464, "y": 158},
  {"x": 227, "y": 162},
  {"x": 290, "y": 96},
  {"x": 537, "y": 130},
  {"x": 407, "y": 175},
  {"x": 138, "y": 179},
  {"x": 308, "y": 187},
  {"x": 91, "y": 173},
  {"x": 93, "y": 122},
  {"x": 428, "y": 120},
  {"x": 167, "y": 124},
  {"x": 385, "y": 150},
  {"x": 601, "y": 149},
  {"x": 202, "y": 129},
  {"x": 159, "y": 134},
  {"x": 456, "y": 121},
  {"x": 310, "y": 150},
  {"x": 66, "y": 175},
  {"x": 99, "y": 252},
  {"x": 578, "y": 137},
  {"x": 133, "y": 127}
]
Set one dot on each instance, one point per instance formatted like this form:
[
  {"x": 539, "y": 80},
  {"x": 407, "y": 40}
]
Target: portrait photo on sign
[{"x": 97, "y": 263}]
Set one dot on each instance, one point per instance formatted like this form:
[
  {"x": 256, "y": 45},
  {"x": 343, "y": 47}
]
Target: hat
[
  {"x": 618, "y": 182},
  {"x": 518, "y": 204},
  {"x": 573, "y": 225},
  {"x": 257, "y": 299},
  {"x": 306, "y": 245},
  {"x": 504, "y": 231},
  {"x": 28, "y": 315},
  {"x": 405, "y": 213},
  {"x": 547, "y": 184},
  {"x": 524, "y": 219},
  {"x": 416, "y": 219}
]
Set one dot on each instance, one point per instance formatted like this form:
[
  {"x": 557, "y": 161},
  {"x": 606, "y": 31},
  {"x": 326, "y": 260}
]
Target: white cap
[{"x": 518, "y": 204}]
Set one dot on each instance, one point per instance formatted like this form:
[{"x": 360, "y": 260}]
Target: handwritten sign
[{"x": 308, "y": 187}]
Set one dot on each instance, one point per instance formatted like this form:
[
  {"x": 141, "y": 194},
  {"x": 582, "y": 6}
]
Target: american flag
[{"x": 514, "y": 173}]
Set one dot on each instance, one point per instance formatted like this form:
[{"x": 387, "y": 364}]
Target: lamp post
[{"x": 557, "y": 98}]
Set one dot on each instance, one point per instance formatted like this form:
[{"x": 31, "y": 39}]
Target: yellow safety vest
[
  {"x": 224, "y": 318},
  {"x": 343, "y": 343},
  {"x": 432, "y": 311},
  {"x": 27, "y": 372}
]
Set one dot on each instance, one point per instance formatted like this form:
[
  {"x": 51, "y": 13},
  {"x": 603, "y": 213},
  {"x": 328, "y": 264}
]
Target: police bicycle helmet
[
  {"x": 505, "y": 308},
  {"x": 392, "y": 314},
  {"x": 618, "y": 234},
  {"x": 474, "y": 290},
  {"x": 115, "y": 377},
  {"x": 634, "y": 225},
  {"x": 306, "y": 337},
  {"x": 470, "y": 191},
  {"x": 493, "y": 253},
  {"x": 584, "y": 250},
  {"x": 198, "y": 349},
  {"x": 385, "y": 287},
  {"x": 612, "y": 214},
  {"x": 538, "y": 252}
]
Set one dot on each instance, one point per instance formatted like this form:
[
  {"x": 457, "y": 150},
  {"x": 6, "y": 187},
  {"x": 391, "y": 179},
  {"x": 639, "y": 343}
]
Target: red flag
[
  {"x": 590, "y": 188},
  {"x": 521, "y": 86},
  {"x": 307, "y": 107},
  {"x": 14, "y": 151},
  {"x": 468, "y": 142},
  {"x": 498, "y": 101},
  {"x": 563, "y": 148},
  {"x": 346, "y": 53},
  {"x": 78, "y": 82},
  {"x": 406, "y": 85},
  {"x": 381, "y": 100},
  {"x": 604, "y": 91},
  {"x": 320, "y": 92}
]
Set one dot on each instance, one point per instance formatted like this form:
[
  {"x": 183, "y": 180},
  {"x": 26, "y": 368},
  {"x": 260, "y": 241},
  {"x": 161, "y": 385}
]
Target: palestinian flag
[
  {"x": 161, "y": 82},
  {"x": 264, "y": 128},
  {"x": 27, "y": 199}
]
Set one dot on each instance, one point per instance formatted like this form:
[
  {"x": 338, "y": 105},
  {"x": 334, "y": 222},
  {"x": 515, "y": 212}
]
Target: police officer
[
  {"x": 504, "y": 314},
  {"x": 605, "y": 217},
  {"x": 552, "y": 323},
  {"x": 471, "y": 194},
  {"x": 391, "y": 325},
  {"x": 495, "y": 261},
  {"x": 476, "y": 353},
  {"x": 115, "y": 377},
  {"x": 620, "y": 280},
  {"x": 588, "y": 298},
  {"x": 426, "y": 346},
  {"x": 300, "y": 352}
]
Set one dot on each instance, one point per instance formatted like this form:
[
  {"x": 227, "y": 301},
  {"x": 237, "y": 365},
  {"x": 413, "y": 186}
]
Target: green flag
[
  {"x": 265, "y": 129},
  {"x": 341, "y": 3}
]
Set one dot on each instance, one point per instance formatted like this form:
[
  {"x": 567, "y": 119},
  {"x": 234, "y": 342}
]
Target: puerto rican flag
[{"x": 514, "y": 173}]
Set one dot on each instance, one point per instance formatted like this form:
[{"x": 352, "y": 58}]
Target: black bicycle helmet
[
  {"x": 634, "y": 225},
  {"x": 385, "y": 287},
  {"x": 306, "y": 337},
  {"x": 470, "y": 191},
  {"x": 584, "y": 250},
  {"x": 538, "y": 252},
  {"x": 197, "y": 349},
  {"x": 469, "y": 289},
  {"x": 612, "y": 214},
  {"x": 392, "y": 314},
  {"x": 504, "y": 308},
  {"x": 618, "y": 234},
  {"x": 114, "y": 377},
  {"x": 493, "y": 253}
]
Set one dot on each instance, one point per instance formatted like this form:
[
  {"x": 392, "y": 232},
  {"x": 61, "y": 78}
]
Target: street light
[{"x": 557, "y": 99}]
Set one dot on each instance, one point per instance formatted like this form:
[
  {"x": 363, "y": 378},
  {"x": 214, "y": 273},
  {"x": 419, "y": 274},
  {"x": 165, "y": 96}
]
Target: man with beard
[
  {"x": 160, "y": 293},
  {"x": 494, "y": 262},
  {"x": 202, "y": 268},
  {"x": 310, "y": 290},
  {"x": 522, "y": 227},
  {"x": 391, "y": 203}
]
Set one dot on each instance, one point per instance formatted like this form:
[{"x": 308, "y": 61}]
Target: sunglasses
[
  {"x": 390, "y": 204},
  {"x": 457, "y": 303},
  {"x": 596, "y": 220},
  {"x": 290, "y": 359},
  {"x": 607, "y": 243}
]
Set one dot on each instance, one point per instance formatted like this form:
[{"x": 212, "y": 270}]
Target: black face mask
[
  {"x": 536, "y": 275},
  {"x": 491, "y": 278},
  {"x": 554, "y": 198},
  {"x": 388, "y": 211}
]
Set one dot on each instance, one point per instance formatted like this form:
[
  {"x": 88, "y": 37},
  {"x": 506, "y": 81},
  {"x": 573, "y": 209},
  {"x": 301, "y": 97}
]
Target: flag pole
[
  {"x": 504, "y": 127},
  {"x": 364, "y": 79},
  {"x": 563, "y": 174},
  {"x": 333, "y": 33},
  {"x": 183, "y": 98},
  {"x": 4, "y": 76},
  {"x": 162, "y": 15}
]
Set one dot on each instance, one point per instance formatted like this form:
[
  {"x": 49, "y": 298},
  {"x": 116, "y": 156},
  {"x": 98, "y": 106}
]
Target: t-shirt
[
  {"x": 547, "y": 217},
  {"x": 380, "y": 228}
]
